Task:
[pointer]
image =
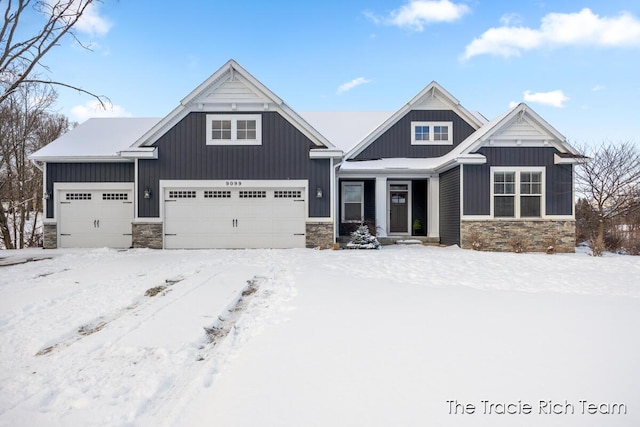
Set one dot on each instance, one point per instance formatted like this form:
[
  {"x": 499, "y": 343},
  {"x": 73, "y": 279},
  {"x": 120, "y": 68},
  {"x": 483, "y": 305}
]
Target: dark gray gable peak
[
  {"x": 232, "y": 89},
  {"x": 432, "y": 97}
]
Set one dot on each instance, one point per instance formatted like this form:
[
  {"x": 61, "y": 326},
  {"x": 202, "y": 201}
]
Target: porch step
[{"x": 399, "y": 240}]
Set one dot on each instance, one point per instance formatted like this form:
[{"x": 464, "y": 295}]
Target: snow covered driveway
[{"x": 404, "y": 336}]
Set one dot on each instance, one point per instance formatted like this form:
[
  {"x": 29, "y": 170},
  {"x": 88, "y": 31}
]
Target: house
[{"x": 233, "y": 166}]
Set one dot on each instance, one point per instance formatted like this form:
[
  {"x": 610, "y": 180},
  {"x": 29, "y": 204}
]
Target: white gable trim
[
  {"x": 484, "y": 136},
  {"x": 265, "y": 101},
  {"x": 419, "y": 102}
]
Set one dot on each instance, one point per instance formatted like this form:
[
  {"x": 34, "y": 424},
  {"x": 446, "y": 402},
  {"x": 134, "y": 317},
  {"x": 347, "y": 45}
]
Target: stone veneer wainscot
[
  {"x": 319, "y": 235},
  {"x": 496, "y": 234},
  {"x": 147, "y": 235}
]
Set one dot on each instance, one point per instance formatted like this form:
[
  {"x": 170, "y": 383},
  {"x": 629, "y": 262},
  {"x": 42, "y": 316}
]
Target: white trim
[
  {"x": 81, "y": 159},
  {"x": 433, "y": 207},
  {"x": 234, "y": 118},
  {"x": 517, "y": 194},
  {"x": 331, "y": 195},
  {"x": 135, "y": 190},
  {"x": 342, "y": 202},
  {"x": 409, "y": 207},
  {"x": 150, "y": 220},
  {"x": 569, "y": 160},
  {"x": 381, "y": 208},
  {"x": 140, "y": 153},
  {"x": 487, "y": 218},
  {"x": 461, "y": 191},
  {"x": 432, "y": 140},
  {"x": 325, "y": 153}
]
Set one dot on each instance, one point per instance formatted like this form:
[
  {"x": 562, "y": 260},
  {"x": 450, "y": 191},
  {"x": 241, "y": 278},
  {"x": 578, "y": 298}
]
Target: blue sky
[{"x": 576, "y": 63}]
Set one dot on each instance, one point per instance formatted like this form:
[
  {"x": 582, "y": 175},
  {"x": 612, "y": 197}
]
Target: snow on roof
[
  {"x": 345, "y": 129},
  {"x": 97, "y": 137},
  {"x": 398, "y": 163}
]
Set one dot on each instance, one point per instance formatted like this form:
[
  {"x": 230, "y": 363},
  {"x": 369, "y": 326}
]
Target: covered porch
[{"x": 399, "y": 207}]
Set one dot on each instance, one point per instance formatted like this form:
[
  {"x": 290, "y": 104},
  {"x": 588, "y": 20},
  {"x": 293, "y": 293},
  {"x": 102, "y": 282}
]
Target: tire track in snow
[{"x": 245, "y": 319}]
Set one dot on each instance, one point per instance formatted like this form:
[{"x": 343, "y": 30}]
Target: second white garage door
[{"x": 199, "y": 218}]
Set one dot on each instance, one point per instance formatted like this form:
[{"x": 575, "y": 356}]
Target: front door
[{"x": 399, "y": 208}]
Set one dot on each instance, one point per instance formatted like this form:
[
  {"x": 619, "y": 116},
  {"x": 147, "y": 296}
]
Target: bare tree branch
[{"x": 19, "y": 58}]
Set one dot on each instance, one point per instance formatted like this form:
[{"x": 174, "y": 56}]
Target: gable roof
[
  {"x": 96, "y": 139},
  {"x": 520, "y": 114},
  {"x": 432, "y": 97},
  {"x": 231, "y": 88}
]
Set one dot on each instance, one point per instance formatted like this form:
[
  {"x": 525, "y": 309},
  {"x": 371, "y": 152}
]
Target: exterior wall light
[
  {"x": 47, "y": 196},
  {"x": 147, "y": 193},
  {"x": 319, "y": 193}
]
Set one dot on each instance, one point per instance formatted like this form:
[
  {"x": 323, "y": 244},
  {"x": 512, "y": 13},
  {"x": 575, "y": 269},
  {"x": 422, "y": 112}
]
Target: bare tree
[
  {"x": 25, "y": 126},
  {"x": 21, "y": 51},
  {"x": 610, "y": 182}
]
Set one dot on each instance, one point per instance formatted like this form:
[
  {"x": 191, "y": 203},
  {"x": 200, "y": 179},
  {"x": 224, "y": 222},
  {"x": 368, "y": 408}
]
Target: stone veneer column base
[
  {"x": 147, "y": 235},
  {"x": 320, "y": 235},
  {"x": 496, "y": 234},
  {"x": 50, "y": 236}
]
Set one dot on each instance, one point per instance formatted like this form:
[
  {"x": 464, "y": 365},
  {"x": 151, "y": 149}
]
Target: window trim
[
  {"x": 233, "y": 118},
  {"x": 431, "y": 140},
  {"x": 517, "y": 191},
  {"x": 342, "y": 200}
]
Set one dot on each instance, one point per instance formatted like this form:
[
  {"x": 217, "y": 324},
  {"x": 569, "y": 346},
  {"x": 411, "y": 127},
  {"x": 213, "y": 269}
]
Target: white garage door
[
  {"x": 95, "y": 219},
  {"x": 234, "y": 218}
]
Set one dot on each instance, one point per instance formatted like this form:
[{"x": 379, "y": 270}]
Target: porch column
[
  {"x": 433, "y": 206},
  {"x": 381, "y": 205}
]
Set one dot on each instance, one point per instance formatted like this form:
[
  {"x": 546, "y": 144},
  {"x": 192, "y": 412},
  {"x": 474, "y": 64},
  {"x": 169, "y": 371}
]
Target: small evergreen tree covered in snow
[{"x": 362, "y": 239}]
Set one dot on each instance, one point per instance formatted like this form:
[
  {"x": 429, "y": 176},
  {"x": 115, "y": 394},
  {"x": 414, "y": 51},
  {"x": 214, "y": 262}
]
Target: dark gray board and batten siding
[
  {"x": 396, "y": 141},
  {"x": 283, "y": 155},
  {"x": 85, "y": 172},
  {"x": 558, "y": 178},
  {"x": 450, "y": 207}
]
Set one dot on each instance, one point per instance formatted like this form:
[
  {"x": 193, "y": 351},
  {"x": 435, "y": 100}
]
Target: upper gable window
[
  {"x": 432, "y": 133},
  {"x": 234, "y": 129}
]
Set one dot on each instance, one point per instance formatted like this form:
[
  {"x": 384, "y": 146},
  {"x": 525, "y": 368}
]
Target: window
[
  {"x": 234, "y": 129},
  {"x": 517, "y": 193},
  {"x": 221, "y": 129},
  {"x": 432, "y": 133},
  {"x": 352, "y": 201}
]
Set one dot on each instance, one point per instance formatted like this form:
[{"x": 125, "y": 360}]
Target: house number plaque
[{"x": 234, "y": 183}]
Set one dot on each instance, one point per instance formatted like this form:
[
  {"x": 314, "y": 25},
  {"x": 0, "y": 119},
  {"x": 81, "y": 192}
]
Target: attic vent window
[
  {"x": 234, "y": 129},
  {"x": 431, "y": 133}
]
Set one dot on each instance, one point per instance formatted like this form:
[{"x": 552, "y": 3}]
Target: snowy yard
[{"x": 404, "y": 336}]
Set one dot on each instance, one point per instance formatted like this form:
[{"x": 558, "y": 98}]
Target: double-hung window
[
  {"x": 431, "y": 133},
  {"x": 234, "y": 129},
  {"x": 517, "y": 192},
  {"x": 352, "y": 201}
]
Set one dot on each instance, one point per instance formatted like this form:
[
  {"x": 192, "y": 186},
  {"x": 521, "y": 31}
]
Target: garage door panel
[
  {"x": 95, "y": 218},
  {"x": 238, "y": 218}
]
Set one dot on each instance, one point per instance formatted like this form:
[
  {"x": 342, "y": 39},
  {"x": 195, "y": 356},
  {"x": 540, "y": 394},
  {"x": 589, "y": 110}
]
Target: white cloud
[
  {"x": 583, "y": 28},
  {"x": 91, "y": 22},
  {"x": 92, "y": 108},
  {"x": 597, "y": 88},
  {"x": 511, "y": 19},
  {"x": 554, "y": 98},
  {"x": 417, "y": 13},
  {"x": 513, "y": 104},
  {"x": 353, "y": 83}
]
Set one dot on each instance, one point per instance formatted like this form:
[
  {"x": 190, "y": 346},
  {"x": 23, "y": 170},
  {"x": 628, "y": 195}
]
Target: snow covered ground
[{"x": 404, "y": 336}]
